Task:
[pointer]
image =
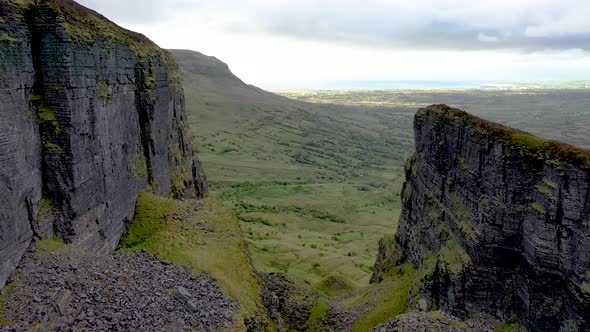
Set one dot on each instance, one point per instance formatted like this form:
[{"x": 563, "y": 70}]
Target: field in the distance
[
  {"x": 316, "y": 185},
  {"x": 551, "y": 113}
]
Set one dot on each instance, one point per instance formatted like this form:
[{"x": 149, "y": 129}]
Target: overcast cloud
[
  {"x": 517, "y": 26},
  {"x": 423, "y": 24}
]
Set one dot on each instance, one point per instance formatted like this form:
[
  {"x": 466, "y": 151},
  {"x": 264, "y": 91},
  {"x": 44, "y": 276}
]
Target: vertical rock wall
[
  {"x": 92, "y": 115},
  {"x": 20, "y": 147},
  {"x": 498, "y": 221}
]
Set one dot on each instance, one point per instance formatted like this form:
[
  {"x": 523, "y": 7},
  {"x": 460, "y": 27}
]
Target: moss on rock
[{"x": 536, "y": 147}]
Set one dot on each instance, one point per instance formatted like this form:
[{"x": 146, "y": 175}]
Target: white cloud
[
  {"x": 268, "y": 42},
  {"x": 486, "y": 38}
]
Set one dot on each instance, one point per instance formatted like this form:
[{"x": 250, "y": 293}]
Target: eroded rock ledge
[
  {"x": 90, "y": 116},
  {"x": 497, "y": 221}
]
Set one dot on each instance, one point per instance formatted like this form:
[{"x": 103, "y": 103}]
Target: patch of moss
[
  {"x": 48, "y": 145},
  {"x": 462, "y": 216},
  {"x": 551, "y": 183},
  {"x": 86, "y": 27},
  {"x": 4, "y": 322},
  {"x": 51, "y": 245},
  {"x": 45, "y": 208},
  {"x": 5, "y": 294},
  {"x": 139, "y": 166},
  {"x": 585, "y": 286},
  {"x": 103, "y": 91},
  {"x": 543, "y": 189},
  {"x": 453, "y": 257},
  {"x": 8, "y": 39},
  {"x": 390, "y": 256},
  {"x": 538, "y": 207},
  {"x": 45, "y": 113},
  {"x": 179, "y": 172}
]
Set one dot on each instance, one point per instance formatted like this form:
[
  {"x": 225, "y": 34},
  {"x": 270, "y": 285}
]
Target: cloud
[
  {"x": 524, "y": 25},
  {"x": 487, "y": 39}
]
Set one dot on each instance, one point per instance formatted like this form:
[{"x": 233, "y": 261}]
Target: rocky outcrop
[
  {"x": 498, "y": 221},
  {"x": 91, "y": 115}
]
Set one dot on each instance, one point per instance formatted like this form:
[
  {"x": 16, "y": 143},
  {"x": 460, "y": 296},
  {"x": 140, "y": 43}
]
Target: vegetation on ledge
[
  {"x": 86, "y": 27},
  {"x": 551, "y": 151},
  {"x": 203, "y": 236}
]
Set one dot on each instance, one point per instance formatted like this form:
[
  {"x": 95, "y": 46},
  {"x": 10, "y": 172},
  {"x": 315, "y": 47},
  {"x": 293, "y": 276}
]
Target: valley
[
  {"x": 315, "y": 176},
  {"x": 152, "y": 189}
]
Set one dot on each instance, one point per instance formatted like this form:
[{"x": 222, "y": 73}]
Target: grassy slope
[
  {"x": 203, "y": 236},
  {"x": 315, "y": 186}
]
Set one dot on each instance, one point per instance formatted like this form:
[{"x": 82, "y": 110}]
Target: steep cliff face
[
  {"x": 91, "y": 115},
  {"x": 497, "y": 220}
]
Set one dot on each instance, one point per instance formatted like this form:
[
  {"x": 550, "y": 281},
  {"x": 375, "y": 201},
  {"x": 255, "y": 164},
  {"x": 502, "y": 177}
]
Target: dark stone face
[
  {"x": 501, "y": 224},
  {"x": 90, "y": 116}
]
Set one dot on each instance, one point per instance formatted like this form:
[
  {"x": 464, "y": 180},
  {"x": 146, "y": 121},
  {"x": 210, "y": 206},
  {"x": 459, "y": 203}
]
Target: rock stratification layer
[
  {"x": 497, "y": 220},
  {"x": 90, "y": 116}
]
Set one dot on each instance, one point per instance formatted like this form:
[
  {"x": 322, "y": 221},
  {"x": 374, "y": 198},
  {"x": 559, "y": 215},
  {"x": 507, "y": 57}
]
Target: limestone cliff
[
  {"x": 90, "y": 116},
  {"x": 497, "y": 220}
]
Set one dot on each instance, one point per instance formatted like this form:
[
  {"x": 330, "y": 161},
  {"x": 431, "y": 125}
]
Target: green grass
[
  {"x": 299, "y": 174},
  {"x": 334, "y": 285},
  {"x": 207, "y": 239},
  {"x": 512, "y": 325},
  {"x": 385, "y": 300},
  {"x": 49, "y": 245},
  {"x": 288, "y": 166},
  {"x": 318, "y": 313},
  {"x": 149, "y": 221}
]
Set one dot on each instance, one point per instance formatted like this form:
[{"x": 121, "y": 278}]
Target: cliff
[
  {"x": 497, "y": 221},
  {"x": 91, "y": 115}
]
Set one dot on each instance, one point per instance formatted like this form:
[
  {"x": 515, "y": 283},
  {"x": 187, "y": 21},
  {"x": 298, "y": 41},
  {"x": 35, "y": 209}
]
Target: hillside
[{"x": 315, "y": 186}]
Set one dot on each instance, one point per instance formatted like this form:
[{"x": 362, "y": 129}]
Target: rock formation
[
  {"x": 90, "y": 116},
  {"x": 497, "y": 220}
]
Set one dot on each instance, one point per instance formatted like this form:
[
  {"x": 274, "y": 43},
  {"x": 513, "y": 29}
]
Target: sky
[{"x": 281, "y": 44}]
